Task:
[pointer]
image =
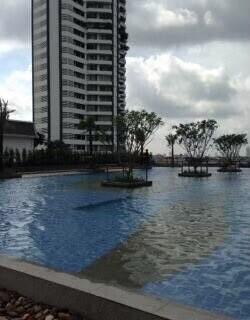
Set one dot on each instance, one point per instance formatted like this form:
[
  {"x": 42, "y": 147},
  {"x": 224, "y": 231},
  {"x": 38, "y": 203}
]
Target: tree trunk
[
  {"x": 1, "y": 148},
  {"x": 118, "y": 152},
  {"x": 90, "y": 143},
  {"x": 130, "y": 166},
  {"x": 142, "y": 151},
  {"x": 173, "y": 164}
]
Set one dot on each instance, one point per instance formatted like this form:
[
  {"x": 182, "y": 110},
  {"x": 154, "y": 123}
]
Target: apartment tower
[{"x": 79, "y": 49}]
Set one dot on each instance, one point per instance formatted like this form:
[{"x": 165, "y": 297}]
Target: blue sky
[
  {"x": 13, "y": 61},
  {"x": 189, "y": 60}
]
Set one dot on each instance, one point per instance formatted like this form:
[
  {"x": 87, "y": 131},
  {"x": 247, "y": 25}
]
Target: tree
[
  {"x": 229, "y": 147},
  {"x": 105, "y": 138},
  {"x": 4, "y": 116},
  {"x": 57, "y": 145},
  {"x": 18, "y": 157},
  {"x": 148, "y": 124},
  {"x": 171, "y": 140},
  {"x": 11, "y": 158},
  {"x": 196, "y": 138},
  {"x": 39, "y": 140},
  {"x": 24, "y": 156},
  {"x": 89, "y": 125},
  {"x": 135, "y": 130},
  {"x": 58, "y": 152}
]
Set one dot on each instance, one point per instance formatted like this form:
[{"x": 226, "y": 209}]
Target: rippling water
[{"x": 184, "y": 239}]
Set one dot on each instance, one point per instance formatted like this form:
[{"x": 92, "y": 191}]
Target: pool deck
[
  {"x": 38, "y": 174},
  {"x": 94, "y": 300},
  {"x": 56, "y": 173}
]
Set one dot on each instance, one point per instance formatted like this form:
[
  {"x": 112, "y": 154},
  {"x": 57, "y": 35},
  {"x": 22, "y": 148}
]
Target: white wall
[{"x": 20, "y": 143}]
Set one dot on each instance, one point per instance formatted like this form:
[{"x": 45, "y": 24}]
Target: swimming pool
[{"x": 184, "y": 239}]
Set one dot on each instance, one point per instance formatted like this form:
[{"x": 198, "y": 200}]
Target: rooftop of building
[{"x": 20, "y": 128}]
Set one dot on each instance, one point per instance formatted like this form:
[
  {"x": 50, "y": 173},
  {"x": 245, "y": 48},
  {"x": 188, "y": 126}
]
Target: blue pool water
[{"x": 194, "y": 234}]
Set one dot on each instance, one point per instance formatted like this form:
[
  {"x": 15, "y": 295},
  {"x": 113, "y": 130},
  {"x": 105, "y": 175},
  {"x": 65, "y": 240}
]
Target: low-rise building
[{"x": 19, "y": 135}]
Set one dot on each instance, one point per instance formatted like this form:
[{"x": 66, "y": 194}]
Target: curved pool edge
[{"x": 95, "y": 300}]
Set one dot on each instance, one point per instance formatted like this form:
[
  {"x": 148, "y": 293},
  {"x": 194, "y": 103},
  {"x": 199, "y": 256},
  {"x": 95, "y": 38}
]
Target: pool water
[{"x": 184, "y": 239}]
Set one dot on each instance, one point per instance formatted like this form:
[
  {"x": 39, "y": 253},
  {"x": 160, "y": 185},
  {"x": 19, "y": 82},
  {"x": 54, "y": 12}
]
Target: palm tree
[
  {"x": 171, "y": 140},
  {"x": 4, "y": 116},
  {"x": 89, "y": 126},
  {"x": 105, "y": 138}
]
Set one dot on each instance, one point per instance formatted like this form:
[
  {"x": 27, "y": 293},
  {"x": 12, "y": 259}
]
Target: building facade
[
  {"x": 19, "y": 135},
  {"x": 79, "y": 68}
]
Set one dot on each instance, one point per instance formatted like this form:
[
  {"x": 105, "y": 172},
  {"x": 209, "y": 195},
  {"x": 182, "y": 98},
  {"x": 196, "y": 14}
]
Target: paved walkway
[{"x": 54, "y": 173}]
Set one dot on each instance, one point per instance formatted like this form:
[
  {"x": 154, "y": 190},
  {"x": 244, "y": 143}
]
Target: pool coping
[
  {"x": 56, "y": 173},
  {"x": 94, "y": 300}
]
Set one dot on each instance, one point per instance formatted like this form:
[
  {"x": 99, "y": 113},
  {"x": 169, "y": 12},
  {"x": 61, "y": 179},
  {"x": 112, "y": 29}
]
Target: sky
[{"x": 188, "y": 60}]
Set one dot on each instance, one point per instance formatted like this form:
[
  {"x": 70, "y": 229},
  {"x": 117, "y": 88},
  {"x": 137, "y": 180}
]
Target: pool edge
[{"x": 97, "y": 301}]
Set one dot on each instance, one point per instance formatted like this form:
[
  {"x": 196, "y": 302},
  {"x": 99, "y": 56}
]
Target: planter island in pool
[
  {"x": 230, "y": 170},
  {"x": 129, "y": 185},
  {"x": 195, "y": 175}
]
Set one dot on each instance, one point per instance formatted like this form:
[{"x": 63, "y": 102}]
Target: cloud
[
  {"x": 16, "y": 88},
  {"x": 7, "y": 47},
  {"x": 166, "y": 23},
  {"x": 180, "y": 89},
  {"x": 15, "y": 28},
  {"x": 162, "y": 17},
  {"x": 155, "y": 24}
]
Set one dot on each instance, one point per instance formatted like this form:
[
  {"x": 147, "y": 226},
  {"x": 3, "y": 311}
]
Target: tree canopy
[
  {"x": 229, "y": 146},
  {"x": 136, "y": 128},
  {"x": 196, "y": 138},
  {"x": 171, "y": 139},
  {"x": 89, "y": 125},
  {"x": 4, "y": 112},
  {"x": 105, "y": 138},
  {"x": 4, "y": 116}
]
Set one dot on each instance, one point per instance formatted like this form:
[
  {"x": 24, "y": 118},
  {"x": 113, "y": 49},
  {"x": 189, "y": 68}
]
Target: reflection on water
[{"x": 173, "y": 239}]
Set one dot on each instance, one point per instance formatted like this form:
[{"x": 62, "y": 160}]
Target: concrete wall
[{"x": 20, "y": 143}]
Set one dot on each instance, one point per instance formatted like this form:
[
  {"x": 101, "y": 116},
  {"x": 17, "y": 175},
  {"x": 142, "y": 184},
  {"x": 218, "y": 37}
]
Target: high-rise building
[{"x": 79, "y": 49}]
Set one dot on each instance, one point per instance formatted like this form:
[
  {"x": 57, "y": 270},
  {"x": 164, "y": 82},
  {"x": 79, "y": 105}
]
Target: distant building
[
  {"x": 79, "y": 50},
  {"x": 19, "y": 135}
]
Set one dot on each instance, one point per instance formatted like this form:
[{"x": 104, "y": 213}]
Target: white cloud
[
  {"x": 169, "y": 23},
  {"x": 10, "y": 46},
  {"x": 162, "y": 17},
  {"x": 182, "y": 91},
  {"x": 15, "y": 20},
  {"x": 17, "y": 89},
  {"x": 209, "y": 18},
  {"x": 189, "y": 88}
]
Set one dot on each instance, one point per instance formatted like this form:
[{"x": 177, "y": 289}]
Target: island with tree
[
  {"x": 196, "y": 138},
  {"x": 229, "y": 147},
  {"x": 135, "y": 130}
]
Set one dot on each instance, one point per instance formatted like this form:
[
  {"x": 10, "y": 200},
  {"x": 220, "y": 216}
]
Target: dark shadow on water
[{"x": 101, "y": 204}]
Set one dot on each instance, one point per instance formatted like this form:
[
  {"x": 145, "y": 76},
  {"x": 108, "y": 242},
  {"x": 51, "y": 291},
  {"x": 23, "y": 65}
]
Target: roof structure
[{"x": 19, "y": 128}]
